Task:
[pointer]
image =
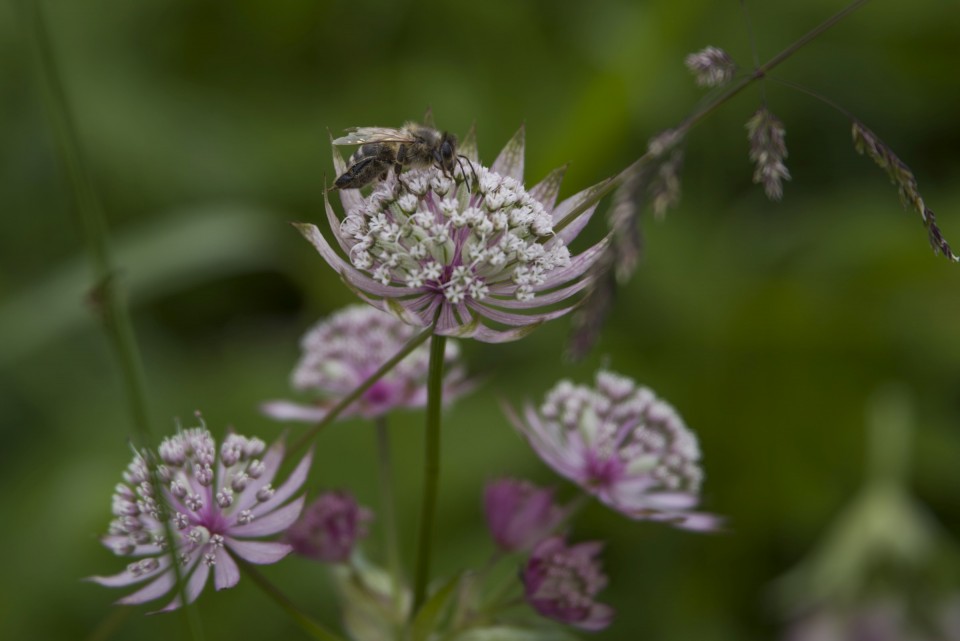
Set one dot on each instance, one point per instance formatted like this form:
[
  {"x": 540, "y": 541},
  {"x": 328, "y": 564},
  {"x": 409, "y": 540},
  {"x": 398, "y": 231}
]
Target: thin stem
[
  {"x": 388, "y": 509},
  {"x": 106, "y": 295},
  {"x": 345, "y": 402},
  {"x": 816, "y": 96},
  {"x": 431, "y": 472},
  {"x": 754, "y": 56},
  {"x": 753, "y": 41},
  {"x": 309, "y": 625}
]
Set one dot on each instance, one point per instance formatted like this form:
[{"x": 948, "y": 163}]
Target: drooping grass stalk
[
  {"x": 345, "y": 402},
  {"x": 388, "y": 510},
  {"x": 106, "y": 295},
  {"x": 431, "y": 472},
  {"x": 698, "y": 116},
  {"x": 306, "y": 622}
]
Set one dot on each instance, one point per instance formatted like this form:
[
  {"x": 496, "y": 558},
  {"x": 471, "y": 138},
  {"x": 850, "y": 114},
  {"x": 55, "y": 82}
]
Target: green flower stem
[
  {"x": 106, "y": 296},
  {"x": 694, "y": 119},
  {"x": 345, "y": 402},
  {"x": 431, "y": 472},
  {"x": 388, "y": 509},
  {"x": 110, "y": 624},
  {"x": 309, "y": 625}
]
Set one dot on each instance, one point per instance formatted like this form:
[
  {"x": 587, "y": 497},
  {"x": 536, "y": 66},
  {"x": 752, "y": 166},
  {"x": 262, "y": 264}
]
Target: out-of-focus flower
[
  {"x": 560, "y": 583},
  {"x": 216, "y": 505},
  {"x": 519, "y": 514},
  {"x": 329, "y": 528},
  {"x": 711, "y": 66},
  {"x": 883, "y": 619},
  {"x": 342, "y": 351},
  {"x": 622, "y": 444},
  {"x": 878, "y": 573},
  {"x": 768, "y": 150},
  {"x": 474, "y": 252}
]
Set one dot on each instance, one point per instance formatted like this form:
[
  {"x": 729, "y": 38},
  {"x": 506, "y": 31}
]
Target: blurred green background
[{"x": 768, "y": 325}]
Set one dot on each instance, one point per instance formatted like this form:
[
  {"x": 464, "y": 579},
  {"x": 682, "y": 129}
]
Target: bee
[{"x": 412, "y": 146}]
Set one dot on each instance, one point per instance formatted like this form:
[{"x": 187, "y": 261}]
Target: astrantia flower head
[
  {"x": 622, "y": 444},
  {"x": 519, "y": 514},
  {"x": 217, "y": 502},
  {"x": 560, "y": 583},
  {"x": 342, "y": 351},
  {"x": 329, "y": 528},
  {"x": 474, "y": 251}
]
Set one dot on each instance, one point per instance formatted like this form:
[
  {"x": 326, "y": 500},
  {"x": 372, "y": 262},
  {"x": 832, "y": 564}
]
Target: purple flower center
[
  {"x": 603, "y": 471},
  {"x": 381, "y": 393}
]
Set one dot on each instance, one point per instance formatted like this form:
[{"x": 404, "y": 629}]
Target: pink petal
[
  {"x": 699, "y": 522},
  {"x": 334, "y": 221},
  {"x": 289, "y": 487},
  {"x": 567, "y": 211},
  {"x": 125, "y": 578},
  {"x": 163, "y": 584},
  {"x": 459, "y": 323},
  {"x": 271, "y": 523},
  {"x": 578, "y": 266},
  {"x": 571, "y": 231},
  {"x": 510, "y": 160},
  {"x": 485, "y": 334},
  {"x": 288, "y": 411},
  {"x": 225, "y": 571},
  {"x": 550, "y": 298},
  {"x": 514, "y": 320},
  {"x": 259, "y": 552},
  {"x": 194, "y": 587},
  {"x": 547, "y": 190},
  {"x": 345, "y": 269},
  {"x": 109, "y": 541}
]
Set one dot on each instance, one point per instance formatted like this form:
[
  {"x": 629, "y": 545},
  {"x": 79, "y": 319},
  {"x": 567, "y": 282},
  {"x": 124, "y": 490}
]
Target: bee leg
[
  {"x": 476, "y": 181},
  {"x": 398, "y": 185}
]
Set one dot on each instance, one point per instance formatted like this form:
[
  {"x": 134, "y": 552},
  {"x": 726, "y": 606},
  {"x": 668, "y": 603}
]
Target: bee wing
[{"x": 363, "y": 135}]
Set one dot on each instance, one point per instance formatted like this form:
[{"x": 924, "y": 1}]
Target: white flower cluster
[
  {"x": 432, "y": 231},
  {"x": 620, "y": 420}
]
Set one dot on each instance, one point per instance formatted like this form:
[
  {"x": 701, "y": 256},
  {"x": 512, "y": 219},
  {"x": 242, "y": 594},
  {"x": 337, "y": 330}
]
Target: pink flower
[
  {"x": 329, "y": 528},
  {"x": 560, "y": 583},
  {"x": 217, "y": 506},
  {"x": 519, "y": 514},
  {"x": 474, "y": 251},
  {"x": 342, "y": 351},
  {"x": 622, "y": 444}
]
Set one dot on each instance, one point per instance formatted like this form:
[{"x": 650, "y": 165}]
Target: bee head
[{"x": 446, "y": 154}]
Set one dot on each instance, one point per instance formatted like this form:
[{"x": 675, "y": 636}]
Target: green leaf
[
  {"x": 428, "y": 616},
  {"x": 367, "y": 600}
]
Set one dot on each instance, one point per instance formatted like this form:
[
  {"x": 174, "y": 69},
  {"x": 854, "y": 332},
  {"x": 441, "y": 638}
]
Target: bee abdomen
[{"x": 364, "y": 151}]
